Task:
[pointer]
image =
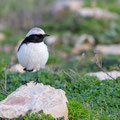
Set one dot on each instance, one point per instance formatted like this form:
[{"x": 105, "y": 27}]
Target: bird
[{"x": 33, "y": 53}]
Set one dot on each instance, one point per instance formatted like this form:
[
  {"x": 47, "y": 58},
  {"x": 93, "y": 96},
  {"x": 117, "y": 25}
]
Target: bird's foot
[
  {"x": 36, "y": 81},
  {"x": 25, "y": 83},
  {"x": 28, "y": 70}
]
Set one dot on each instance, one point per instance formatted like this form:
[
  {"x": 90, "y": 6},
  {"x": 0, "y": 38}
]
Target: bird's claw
[
  {"x": 25, "y": 83},
  {"x": 36, "y": 81}
]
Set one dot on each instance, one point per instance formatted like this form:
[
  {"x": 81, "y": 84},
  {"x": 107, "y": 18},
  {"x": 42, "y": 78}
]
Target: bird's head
[
  {"x": 35, "y": 35},
  {"x": 36, "y": 31}
]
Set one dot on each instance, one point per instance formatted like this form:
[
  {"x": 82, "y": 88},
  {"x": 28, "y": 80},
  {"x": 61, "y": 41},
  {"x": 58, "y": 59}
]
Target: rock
[
  {"x": 83, "y": 38},
  {"x": 52, "y": 40},
  {"x": 34, "y": 97},
  {"x": 84, "y": 47},
  {"x": 63, "y": 54},
  {"x": 62, "y": 5},
  {"x": 96, "y": 12},
  {"x": 84, "y": 42},
  {"x": 109, "y": 49},
  {"x": 17, "y": 68},
  {"x": 102, "y": 75},
  {"x": 2, "y": 36}
]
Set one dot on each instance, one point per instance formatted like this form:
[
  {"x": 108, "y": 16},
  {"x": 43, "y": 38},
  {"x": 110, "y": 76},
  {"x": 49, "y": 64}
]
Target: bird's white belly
[{"x": 33, "y": 55}]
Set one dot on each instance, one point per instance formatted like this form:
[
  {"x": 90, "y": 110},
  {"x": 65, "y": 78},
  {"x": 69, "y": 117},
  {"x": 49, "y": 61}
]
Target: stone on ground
[
  {"x": 17, "y": 68},
  {"x": 34, "y": 97},
  {"x": 2, "y": 36},
  {"x": 66, "y": 5},
  {"x": 109, "y": 49},
  {"x": 51, "y": 40},
  {"x": 103, "y": 76},
  {"x": 83, "y": 42},
  {"x": 96, "y": 13}
]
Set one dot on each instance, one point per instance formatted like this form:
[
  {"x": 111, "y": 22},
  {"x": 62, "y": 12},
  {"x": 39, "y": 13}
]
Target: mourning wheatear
[{"x": 33, "y": 53}]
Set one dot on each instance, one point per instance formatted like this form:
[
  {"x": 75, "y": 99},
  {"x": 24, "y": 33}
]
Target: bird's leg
[
  {"x": 36, "y": 79},
  {"x": 25, "y": 82}
]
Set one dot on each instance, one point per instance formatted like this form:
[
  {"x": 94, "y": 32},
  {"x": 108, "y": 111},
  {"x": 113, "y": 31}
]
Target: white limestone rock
[
  {"x": 96, "y": 13},
  {"x": 62, "y": 5},
  {"x": 2, "y": 36},
  {"x": 103, "y": 76},
  {"x": 51, "y": 40},
  {"x": 34, "y": 97},
  {"x": 17, "y": 68},
  {"x": 83, "y": 42},
  {"x": 109, "y": 49}
]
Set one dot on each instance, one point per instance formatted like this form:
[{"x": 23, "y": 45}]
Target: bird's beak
[{"x": 45, "y": 35}]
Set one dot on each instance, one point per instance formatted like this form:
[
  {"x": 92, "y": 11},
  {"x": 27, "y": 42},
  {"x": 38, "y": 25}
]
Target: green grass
[{"x": 89, "y": 98}]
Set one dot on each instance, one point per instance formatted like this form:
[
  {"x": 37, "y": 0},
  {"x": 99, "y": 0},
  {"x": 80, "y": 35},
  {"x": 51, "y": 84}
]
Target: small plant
[
  {"x": 77, "y": 110},
  {"x": 35, "y": 116}
]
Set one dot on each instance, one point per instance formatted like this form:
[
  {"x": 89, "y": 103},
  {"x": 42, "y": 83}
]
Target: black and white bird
[{"x": 33, "y": 53}]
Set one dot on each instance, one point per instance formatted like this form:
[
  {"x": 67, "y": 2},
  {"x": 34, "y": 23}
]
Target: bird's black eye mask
[{"x": 35, "y": 38}]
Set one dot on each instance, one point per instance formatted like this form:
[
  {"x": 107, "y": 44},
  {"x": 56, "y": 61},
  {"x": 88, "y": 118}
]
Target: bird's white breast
[{"x": 33, "y": 55}]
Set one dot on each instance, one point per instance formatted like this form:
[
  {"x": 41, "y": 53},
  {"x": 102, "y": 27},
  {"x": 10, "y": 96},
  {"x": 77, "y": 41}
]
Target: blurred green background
[
  {"x": 80, "y": 30},
  {"x": 69, "y": 22}
]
